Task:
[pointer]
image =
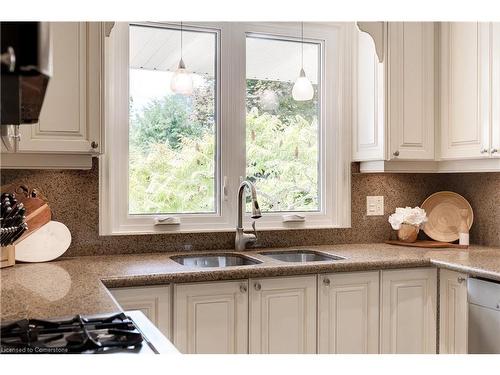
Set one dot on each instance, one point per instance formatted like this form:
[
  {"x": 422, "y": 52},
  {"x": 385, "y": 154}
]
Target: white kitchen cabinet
[
  {"x": 410, "y": 90},
  {"x": 495, "y": 90},
  {"x": 282, "y": 315},
  {"x": 211, "y": 317},
  {"x": 154, "y": 301},
  {"x": 465, "y": 90},
  {"x": 394, "y": 100},
  {"x": 348, "y": 313},
  {"x": 70, "y": 119},
  {"x": 368, "y": 138},
  {"x": 408, "y": 311},
  {"x": 453, "y": 312}
]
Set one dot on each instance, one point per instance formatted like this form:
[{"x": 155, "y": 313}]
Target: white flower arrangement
[{"x": 412, "y": 216}]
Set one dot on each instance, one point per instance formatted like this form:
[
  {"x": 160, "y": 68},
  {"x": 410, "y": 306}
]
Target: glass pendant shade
[
  {"x": 182, "y": 81},
  {"x": 302, "y": 89}
]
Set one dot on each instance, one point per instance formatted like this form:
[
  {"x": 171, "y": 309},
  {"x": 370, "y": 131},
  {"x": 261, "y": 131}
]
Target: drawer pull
[
  {"x": 257, "y": 286},
  {"x": 326, "y": 281},
  {"x": 243, "y": 288},
  {"x": 461, "y": 279}
]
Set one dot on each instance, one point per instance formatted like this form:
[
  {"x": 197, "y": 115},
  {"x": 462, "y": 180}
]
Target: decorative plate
[{"x": 443, "y": 213}]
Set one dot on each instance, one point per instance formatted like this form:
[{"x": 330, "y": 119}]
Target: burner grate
[{"x": 76, "y": 335}]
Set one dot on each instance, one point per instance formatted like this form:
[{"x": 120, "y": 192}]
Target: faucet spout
[
  {"x": 242, "y": 238},
  {"x": 255, "y": 204}
]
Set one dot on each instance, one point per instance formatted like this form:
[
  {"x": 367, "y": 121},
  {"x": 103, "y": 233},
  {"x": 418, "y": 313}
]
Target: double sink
[{"x": 231, "y": 260}]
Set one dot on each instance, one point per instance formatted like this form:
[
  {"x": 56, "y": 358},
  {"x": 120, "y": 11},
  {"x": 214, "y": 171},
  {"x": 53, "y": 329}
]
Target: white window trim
[{"x": 335, "y": 106}]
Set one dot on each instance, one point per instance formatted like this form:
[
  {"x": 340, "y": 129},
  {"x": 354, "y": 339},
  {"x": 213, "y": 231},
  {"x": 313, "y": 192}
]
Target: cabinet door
[
  {"x": 368, "y": 100},
  {"x": 408, "y": 311},
  {"x": 211, "y": 317},
  {"x": 495, "y": 87},
  {"x": 453, "y": 312},
  {"x": 71, "y": 114},
  {"x": 348, "y": 313},
  {"x": 465, "y": 90},
  {"x": 283, "y": 315},
  {"x": 411, "y": 90},
  {"x": 154, "y": 301}
]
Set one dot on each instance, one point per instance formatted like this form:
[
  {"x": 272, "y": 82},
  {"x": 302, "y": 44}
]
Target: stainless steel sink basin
[
  {"x": 300, "y": 256},
  {"x": 214, "y": 260}
]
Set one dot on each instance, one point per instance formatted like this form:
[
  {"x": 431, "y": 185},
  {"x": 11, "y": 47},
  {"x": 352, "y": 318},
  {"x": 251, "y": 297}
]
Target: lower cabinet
[
  {"x": 408, "y": 311},
  {"x": 348, "y": 313},
  {"x": 154, "y": 301},
  {"x": 453, "y": 312},
  {"x": 283, "y": 315},
  {"x": 391, "y": 311},
  {"x": 211, "y": 317}
]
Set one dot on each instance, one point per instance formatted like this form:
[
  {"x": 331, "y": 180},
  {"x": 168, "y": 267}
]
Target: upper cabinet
[
  {"x": 368, "y": 100},
  {"x": 495, "y": 90},
  {"x": 410, "y": 90},
  {"x": 394, "y": 100},
  {"x": 466, "y": 90},
  {"x": 433, "y": 103},
  {"x": 70, "y": 120}
]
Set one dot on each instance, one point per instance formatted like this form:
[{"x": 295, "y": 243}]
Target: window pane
[
  {"x": 172, "y": 142},
  {"x": 282, "y": 135}
]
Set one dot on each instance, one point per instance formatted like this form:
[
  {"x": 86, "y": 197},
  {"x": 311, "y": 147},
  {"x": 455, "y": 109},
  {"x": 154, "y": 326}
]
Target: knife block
[{"x": 8, "y": 256}]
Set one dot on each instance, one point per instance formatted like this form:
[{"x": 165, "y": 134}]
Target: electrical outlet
[{"x": 374, "y": 205}]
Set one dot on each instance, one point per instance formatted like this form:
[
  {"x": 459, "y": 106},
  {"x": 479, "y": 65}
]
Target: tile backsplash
[{"x": 74, "y": 198}]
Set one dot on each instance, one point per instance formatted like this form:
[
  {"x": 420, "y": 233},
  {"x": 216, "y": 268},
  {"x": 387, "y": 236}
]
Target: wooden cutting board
[
  {"x": 428, "y": 244},
  {"x": 37, "y": 214}
]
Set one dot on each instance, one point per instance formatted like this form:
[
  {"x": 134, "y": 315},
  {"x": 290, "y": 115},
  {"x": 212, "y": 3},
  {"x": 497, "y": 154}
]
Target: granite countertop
[{"x": 79, "y": 285}]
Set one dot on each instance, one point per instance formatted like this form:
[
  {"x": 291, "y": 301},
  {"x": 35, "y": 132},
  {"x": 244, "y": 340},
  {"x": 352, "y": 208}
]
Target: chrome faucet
[{"x": 242, "y": 238}]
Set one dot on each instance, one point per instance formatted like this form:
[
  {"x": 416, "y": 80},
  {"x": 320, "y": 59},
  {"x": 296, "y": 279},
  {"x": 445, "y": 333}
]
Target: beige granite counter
[{"x": 79, "y": 285}]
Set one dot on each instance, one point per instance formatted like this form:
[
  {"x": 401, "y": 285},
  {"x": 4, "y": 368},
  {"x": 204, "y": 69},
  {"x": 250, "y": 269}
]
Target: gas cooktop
[{"x": 118, "y": 333}]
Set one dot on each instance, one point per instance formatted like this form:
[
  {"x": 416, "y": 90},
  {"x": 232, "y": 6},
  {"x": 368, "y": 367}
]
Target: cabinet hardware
[
  {"x": 395, "y": 153},
  {"x": 326, "y": 281},
  {"x": 484, "y": 151},
  {"x": 461, "y": 279},
  {"x": 94, "y": 144},
  {"x": 243, "y": 288},
  {"x": 9, "y": 58},
  {"x": 494, "y": 150},
  {"x": 257, "y": 286}
]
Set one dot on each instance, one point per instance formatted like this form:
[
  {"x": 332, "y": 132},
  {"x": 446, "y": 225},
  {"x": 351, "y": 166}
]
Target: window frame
[{"x": 231, "y": 125}]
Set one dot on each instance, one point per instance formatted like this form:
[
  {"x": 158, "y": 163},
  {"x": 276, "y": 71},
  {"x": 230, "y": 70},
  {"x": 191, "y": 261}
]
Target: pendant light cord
[
  {"x": 181, "y": 40},
  {"x": 302, "y": 45}
]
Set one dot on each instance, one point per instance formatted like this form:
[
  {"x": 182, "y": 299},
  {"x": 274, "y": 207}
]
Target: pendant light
[
  {"x": 302, "y": 89},
  {"x": 182, "y": 81}
]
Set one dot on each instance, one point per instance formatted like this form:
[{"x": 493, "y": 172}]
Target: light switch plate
[{"x": 375, "y": 205}]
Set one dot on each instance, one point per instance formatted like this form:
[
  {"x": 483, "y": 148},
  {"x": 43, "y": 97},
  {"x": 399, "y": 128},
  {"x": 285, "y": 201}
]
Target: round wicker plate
[{"x": 443, "y": 212}]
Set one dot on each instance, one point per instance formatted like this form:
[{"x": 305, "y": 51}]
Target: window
[
  {"x": 172, "y": 137},
  {"x": 179, "y": 159},
  {"x": 282, "y": 135}
]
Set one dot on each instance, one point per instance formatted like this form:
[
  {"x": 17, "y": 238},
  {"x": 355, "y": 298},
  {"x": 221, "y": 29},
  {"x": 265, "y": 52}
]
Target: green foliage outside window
[{"x": 172, "y": 151}]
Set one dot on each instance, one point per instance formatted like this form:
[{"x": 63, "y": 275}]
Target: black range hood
[{"x": 26, "y": 67}]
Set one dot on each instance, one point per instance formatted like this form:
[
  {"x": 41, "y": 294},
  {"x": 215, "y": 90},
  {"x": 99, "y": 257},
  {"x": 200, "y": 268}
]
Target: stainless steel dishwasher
[{"x": 484, "y": 316}]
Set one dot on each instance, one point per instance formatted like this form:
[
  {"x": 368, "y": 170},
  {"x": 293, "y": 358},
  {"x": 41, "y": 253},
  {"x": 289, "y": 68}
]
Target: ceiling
[{"x": 155, "y": 48}]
